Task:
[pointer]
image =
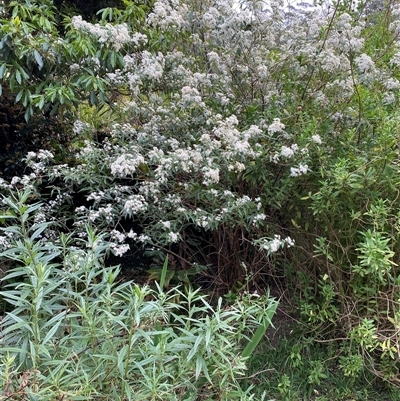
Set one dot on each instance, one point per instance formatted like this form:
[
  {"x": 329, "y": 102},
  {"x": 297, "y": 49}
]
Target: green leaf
[
  {"x": 19, "y": 95},
  {"x": 18, "y": 77},
  {"x": 28, "y": 113},
  {"x": 262, "y": 328},
  {"x": 7, "y": 216},
  {"x": 27, "y": 97},
  {"x": 164, "y": 273},
  {"x": 157, "y": 335},
  {"x": 56, "y": 320},
  {"x": 113, "y": 59},
  {"x": 93, "y": 98},
  {"x": 202, "y": 366},
  {"x": 41, "y": 103},
  {"x": 33, "y": 207},
  {"x": 195, "y": 347},
  {"x": 2, "y": 70},
  {"x": 20, "y": 324},
  {"x": 39, "y": 229},
  {"x": 121, "y": 360},
  {"x": 38, "y": 59}
]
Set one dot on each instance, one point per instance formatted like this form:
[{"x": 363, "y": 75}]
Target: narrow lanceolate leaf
[
  {"x": 18, "y": 77},
  {"x": 164, "y": 273},
  {"x": 258, "y": 335},
  {"x": 19, "y": 96},
  {"x": 122, "y": 359},
  {"x": 7, "y": 216},
  {"x": 52, "y": 331},
  {"x": 39, "y": 228}
]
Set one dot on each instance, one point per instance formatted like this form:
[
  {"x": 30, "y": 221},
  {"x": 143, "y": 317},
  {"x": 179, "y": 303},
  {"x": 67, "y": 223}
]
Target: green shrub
[{"x": 72, "y": 331}]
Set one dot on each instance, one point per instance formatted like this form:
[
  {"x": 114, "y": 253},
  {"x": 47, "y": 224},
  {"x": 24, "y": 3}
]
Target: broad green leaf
[
  {"x": 38, "y": 59},
  {"x": 19, "y": 95}
]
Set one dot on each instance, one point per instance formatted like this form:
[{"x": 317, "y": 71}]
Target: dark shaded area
[
  {"x": 18, "y": 137},
  {"x": 86, "y": 8}
]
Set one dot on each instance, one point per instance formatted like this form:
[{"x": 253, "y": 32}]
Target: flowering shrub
[{"x": 239, "y": 130}]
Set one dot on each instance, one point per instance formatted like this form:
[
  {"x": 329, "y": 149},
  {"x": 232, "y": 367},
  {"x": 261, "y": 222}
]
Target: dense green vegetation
[{"x": 219, "y": 153}]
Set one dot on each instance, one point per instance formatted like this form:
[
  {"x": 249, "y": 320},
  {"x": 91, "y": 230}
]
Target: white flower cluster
[
  {"x": 4, "y": 185},
  {"x": 234, "y": 141},
  {"x": 300, "y": 170},
  {"x": 395, "y": 60},
  {"x": 347, "y": 37},
  {"x": 190, "y": 156},
  {"x": 38, "y": 163},
  {"x": 317, "y": 139},
  {"x": 392, "y": 84},
  {"x": 43, "y": 155},
  {"x": 117, "y": 236},
  {"x": 289, "y": 152},
  {"x": 191, "y": 95},
  {"x": 276, "y": 126},
  {"x": 150, "y": 190},
  {"x": 236, "y": 167},
  {"x": 5, "y": 241},
  {"x": 259, "y": 218},
  {"x": 173, "y": 237},
  {"x": 211, "y": 176},
  {"x": 273, "y": 245},
  {"x": 168, "y": 13},
  {"x": 106, "y": 212},
  {"x": 118, "y": 247},
  {"x": 117, "y": 35},
  {"x": 330, "y": 61},
  {"x": 152, "y": 65},
  {"x": 135, "y": 204},
  {"x": 79, "y": 127},
  {"x": 126, "y": 164},
  {"x": 364, "y": 63},
  {"x": 97, "y": 196},
  {"x": 210, "y": 18},
  {"x": 120, "y": 250}
]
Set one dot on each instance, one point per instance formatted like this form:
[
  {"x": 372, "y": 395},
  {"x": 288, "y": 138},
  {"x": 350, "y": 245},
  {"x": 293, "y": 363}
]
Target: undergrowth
[{"x": 297, "y": 369}]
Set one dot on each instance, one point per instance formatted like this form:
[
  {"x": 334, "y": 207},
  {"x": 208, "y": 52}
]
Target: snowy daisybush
[
  {"x": 223, "y": 111},
  {"x": 181, "y": 158}
]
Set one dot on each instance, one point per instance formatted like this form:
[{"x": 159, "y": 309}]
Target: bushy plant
[{"x": 73, "y": 331}]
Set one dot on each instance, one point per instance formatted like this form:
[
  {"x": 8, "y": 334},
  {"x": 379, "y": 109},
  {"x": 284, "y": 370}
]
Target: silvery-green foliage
[{"x": 71, "y": 329}]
